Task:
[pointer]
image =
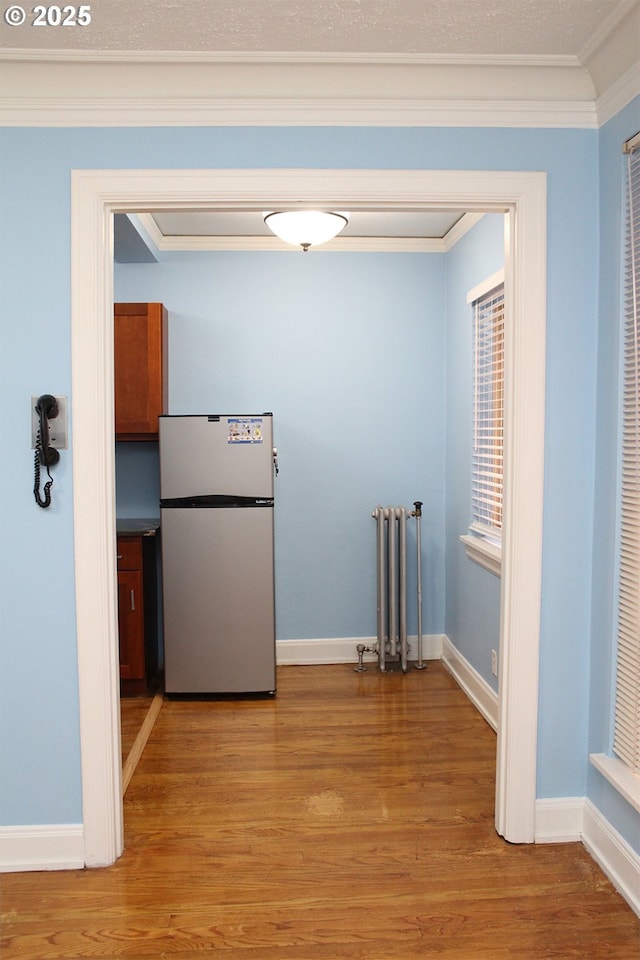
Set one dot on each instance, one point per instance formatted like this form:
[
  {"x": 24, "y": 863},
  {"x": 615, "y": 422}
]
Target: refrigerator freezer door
[
  {"x": 201, "y": 455},
  {"x": 219, "y": 619}
]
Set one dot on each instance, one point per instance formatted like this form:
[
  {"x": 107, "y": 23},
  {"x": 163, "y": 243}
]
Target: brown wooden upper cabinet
[{"x": 140, "y": 369}]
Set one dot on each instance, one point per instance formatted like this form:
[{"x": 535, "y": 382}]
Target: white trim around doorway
[{"x": 96, "y": 195}]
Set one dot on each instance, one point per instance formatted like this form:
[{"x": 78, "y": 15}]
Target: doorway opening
[{"x": 96, "y": 196}]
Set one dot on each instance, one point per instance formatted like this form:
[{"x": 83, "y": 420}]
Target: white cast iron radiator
[{"x": 391, "y": 565}]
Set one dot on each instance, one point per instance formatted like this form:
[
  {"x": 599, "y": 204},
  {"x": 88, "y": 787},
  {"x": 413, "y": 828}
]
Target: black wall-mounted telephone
[{"x": 46, "y": 455}]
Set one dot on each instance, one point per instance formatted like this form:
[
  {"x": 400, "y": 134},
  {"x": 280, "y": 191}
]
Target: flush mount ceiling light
[{"x": 305, "y": 228}]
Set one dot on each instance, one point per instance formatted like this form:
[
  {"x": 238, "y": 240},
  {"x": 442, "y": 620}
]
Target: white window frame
[
  {"x": 483, "y": 543},
  {"x": 623, "y": 769},
  {"x": 627, "y": 718}
]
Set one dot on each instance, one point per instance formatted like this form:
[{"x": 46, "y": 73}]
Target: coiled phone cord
[{"x": 45, "y": 501}]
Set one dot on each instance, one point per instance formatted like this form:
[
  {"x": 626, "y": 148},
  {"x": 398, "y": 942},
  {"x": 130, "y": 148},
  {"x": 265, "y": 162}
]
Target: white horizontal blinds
[
  {"x": 627, "y": 722},
  {"x": 488, "y": 414}
]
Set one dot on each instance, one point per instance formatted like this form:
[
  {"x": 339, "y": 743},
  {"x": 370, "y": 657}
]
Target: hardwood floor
[{"x": 349, "y": 817}]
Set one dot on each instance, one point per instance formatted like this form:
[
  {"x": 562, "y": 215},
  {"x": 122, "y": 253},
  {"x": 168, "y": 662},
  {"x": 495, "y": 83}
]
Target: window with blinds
[
  {"x": 627, "y": 719},
  {"x": 488, "y": 415}
]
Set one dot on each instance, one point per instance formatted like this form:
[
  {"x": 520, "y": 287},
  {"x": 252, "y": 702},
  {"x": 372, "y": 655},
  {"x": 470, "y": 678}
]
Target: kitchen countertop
[{"x": 145, "y": 527}]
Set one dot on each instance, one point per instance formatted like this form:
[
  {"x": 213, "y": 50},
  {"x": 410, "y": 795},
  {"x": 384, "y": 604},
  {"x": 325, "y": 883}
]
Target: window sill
[
  {"x": 486, "y": 554},
  {"x": 620, "y": 776}
]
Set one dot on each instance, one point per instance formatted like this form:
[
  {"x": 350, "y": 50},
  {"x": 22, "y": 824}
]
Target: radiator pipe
[
  {"x": 378, "y": 513},
  {"x": 417, "y": 513},
  {"x": 402, "y": 551},
  {"x": 392, "y": 580}
]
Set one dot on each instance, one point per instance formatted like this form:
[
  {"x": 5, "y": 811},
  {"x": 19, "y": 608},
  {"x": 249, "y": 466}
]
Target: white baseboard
[
  {"x": 559, "y": 820},
  {"x": 46, "y": 847},
  {"x": 343, "y": 650},
  {"x": 482, "y": 696},
  {"x": 611, "y": 851},
  {"x": 568, "y": 819}
]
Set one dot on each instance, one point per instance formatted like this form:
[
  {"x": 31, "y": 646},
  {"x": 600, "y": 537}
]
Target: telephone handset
[{"x": 46, "y": 455}]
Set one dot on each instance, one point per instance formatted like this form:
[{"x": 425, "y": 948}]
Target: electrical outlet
[
  {"x": 494, "y": 663},
  {"x": 57, "y": 426}
]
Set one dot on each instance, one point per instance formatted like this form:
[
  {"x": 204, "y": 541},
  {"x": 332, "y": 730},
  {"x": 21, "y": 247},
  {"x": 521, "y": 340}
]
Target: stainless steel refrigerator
[{"x": 216, "y": 521}]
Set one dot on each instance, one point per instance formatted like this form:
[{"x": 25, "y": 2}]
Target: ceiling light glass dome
[{"x": 305, "y": 228}]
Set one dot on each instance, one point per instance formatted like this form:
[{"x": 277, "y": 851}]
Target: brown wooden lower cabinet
[{"x": 136, "y": 614}]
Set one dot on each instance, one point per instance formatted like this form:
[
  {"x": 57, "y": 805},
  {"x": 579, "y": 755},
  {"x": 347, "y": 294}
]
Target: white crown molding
[
  {"x": 403, "y": 89},
  {"x": 607, "y": 27},
  {"x": 25, "y": 54},
  {"x": 153, "y": 232},
  {"x": 610, "y": 62},
  {"x": 619, "y": 95},
  {"x": 337, "y": 245},
  {"x": 458, "y": 230},
  {"x": 185, "y": 112},
  {"x": 173, "y": 243},
  {"x": 122, "y": 90}
]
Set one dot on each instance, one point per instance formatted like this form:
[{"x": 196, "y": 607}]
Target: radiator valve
[{"x": 361, "y": 652}]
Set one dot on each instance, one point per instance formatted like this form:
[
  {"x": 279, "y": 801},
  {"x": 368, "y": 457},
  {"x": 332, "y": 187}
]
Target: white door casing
[{"x": 96, "y": 196}]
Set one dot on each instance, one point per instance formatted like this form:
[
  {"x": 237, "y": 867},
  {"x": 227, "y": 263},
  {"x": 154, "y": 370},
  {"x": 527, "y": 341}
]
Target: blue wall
[
  {"x": 347, "y": 351},
  {"x": 473, "y": 594},
  {"x": 137, "y": 480},
  {"x": 38, "y": 685}
]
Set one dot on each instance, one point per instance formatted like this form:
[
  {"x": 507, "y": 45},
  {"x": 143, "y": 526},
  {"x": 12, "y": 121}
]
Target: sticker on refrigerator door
[{"x": 244, "y": 430}]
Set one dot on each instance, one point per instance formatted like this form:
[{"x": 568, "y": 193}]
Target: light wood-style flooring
[{"x": 349, "y": 817}]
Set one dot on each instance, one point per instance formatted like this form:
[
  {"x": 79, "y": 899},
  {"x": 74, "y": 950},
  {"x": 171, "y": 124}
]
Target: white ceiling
[
  {"x": 142, "y": 237},
  {"x": 430, "y": 27},
  {"x": 361, "y": 224},
  {"x": 176, "y": 228}
]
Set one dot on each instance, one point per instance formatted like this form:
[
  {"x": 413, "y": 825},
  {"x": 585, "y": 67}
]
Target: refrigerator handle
[{"x": 275, "y": 461}]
